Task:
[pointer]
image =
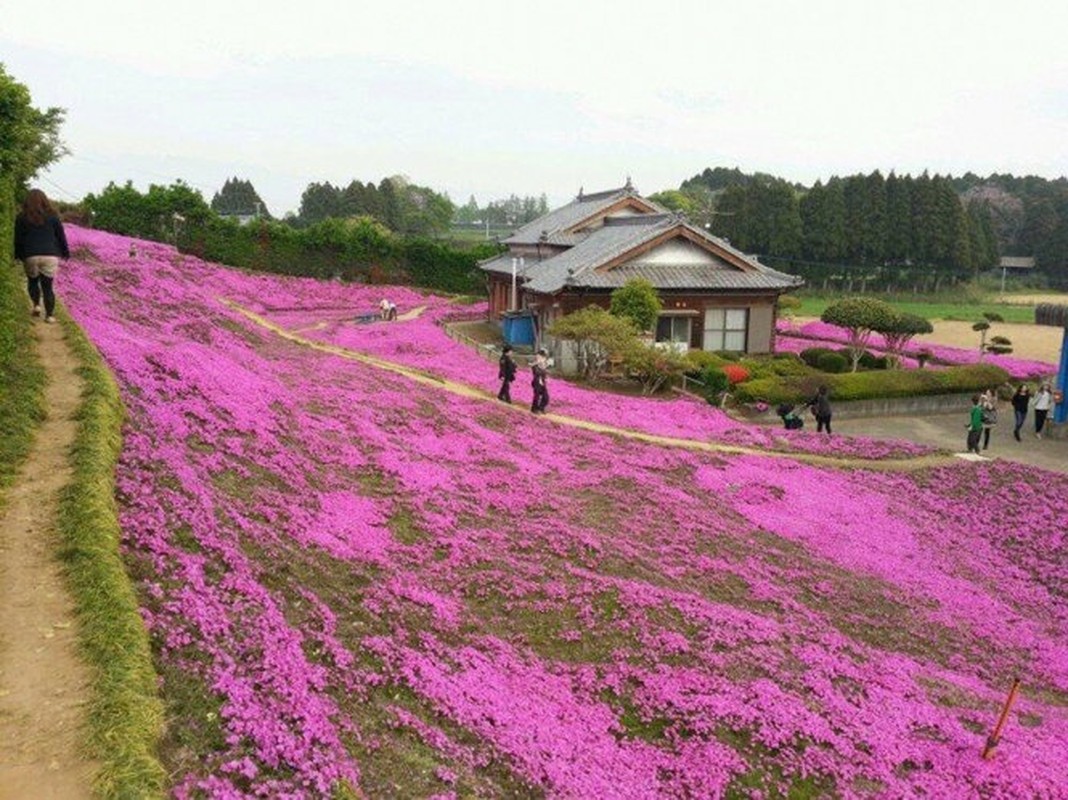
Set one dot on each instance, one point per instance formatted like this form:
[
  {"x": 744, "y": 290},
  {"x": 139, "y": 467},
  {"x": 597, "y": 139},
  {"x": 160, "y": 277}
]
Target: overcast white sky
[{"x": 490, "y": 98}]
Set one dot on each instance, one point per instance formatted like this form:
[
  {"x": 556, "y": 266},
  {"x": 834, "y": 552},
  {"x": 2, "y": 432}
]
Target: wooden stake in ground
[{"x": 995, "y": 737}]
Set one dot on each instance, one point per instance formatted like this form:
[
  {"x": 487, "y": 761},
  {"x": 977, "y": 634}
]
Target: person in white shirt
[{"x": 1043, "y": 403}]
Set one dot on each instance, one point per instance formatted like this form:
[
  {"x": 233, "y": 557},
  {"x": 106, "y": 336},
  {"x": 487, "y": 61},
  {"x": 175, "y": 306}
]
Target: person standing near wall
[
  {"x": 1043, "y": 404},
  {"x": 1020, "y": 400},
  {"x": 40, "y": 242},
  {"x": 539, "y": 382}
]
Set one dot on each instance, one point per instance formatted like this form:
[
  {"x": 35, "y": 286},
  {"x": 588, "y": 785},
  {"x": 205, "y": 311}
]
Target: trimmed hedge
[
  {"x": 833, "y": 363},
  {"x": 872, "y": 385}
]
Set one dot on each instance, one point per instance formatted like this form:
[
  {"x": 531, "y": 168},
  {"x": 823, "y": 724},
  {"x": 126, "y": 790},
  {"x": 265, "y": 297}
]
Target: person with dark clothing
[
  {"x": 1020, "y": 400},
  {"x": 975, "y": 425},
  {"x": 821, "y": 409},
  {"x": 506, "y": 374},
  {"x": 539, "y": 382},
  {"x": 791, "y": 420},
  {"x": 40, "y": 242}
]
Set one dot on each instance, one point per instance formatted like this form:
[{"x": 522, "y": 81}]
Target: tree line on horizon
[{"x": 939, "y": 223}]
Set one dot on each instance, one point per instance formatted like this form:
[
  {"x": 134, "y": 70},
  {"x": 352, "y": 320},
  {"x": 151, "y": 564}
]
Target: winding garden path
[
  {"x": 463, "y": 390},
  {"x": 43, "y": 684}
]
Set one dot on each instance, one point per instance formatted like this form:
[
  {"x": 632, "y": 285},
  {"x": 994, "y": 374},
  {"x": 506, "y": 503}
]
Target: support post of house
[{"x": 515, "y": 266}]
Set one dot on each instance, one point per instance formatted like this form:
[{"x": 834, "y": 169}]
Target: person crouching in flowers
[{"x": 388, "y": 309}]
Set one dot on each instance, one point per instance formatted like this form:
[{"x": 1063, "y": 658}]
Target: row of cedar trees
[
  {"x": 400, "y": 205},
  {"x": 859, "y": 220}
]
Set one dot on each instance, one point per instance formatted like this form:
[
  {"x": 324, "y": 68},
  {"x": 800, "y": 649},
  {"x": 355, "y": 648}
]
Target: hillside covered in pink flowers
[{"x": 354, "y": 580}]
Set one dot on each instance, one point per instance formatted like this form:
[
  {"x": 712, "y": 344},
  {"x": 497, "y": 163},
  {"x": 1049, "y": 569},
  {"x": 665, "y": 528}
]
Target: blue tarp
[{"x": 517, "y": 327}]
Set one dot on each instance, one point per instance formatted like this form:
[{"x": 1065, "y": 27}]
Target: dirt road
[{"x": 42, "y": 681}]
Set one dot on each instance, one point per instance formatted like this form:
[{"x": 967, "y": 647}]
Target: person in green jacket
[{"x": 975, "y": 425}]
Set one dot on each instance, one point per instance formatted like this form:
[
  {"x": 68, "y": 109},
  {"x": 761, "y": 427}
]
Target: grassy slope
[
  {"x": 968, "y": 310},
  {"x": 22, "y": 378},
  {"x": 125, "y": 714}
]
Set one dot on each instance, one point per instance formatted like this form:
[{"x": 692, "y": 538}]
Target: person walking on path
[
  {"x": 539, "y": 381},
  {"x": 506, "y": 374},
  {"x": 1043, "y": 404},
  {"x": 821, "y": 408},
  {"x": 1020, "y": 400},
  {"x": 40, "y": 242},
  {"x": 989, "y": 402},
  {"x": 975, "y": 425}
]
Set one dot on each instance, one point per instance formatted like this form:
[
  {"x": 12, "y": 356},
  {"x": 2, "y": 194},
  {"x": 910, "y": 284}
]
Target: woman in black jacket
[{"x": 40, "y": 242}]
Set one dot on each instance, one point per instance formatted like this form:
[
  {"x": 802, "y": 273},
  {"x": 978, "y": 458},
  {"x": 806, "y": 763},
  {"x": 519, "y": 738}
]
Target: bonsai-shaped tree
[
  {"x": 898, "y": 332},
  {"x": 859, "y": 316},
  {"x": 637, "y": 301},
  {"x": 598, "y": 336},
  {"x": 999, "y": 346},
  {"x": 982, "y": 326}
]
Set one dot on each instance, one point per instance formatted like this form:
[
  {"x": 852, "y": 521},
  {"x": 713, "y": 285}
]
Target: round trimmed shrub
[
  {"x": 832, "y": 362},
  {"x": 697, "y": 361},
  {"x": 812, "y": 355}
]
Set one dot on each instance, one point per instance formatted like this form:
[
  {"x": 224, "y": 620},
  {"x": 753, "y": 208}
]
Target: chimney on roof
[
  {"x": 628, "y": 186},
  {"x": 580, "y": 193}
]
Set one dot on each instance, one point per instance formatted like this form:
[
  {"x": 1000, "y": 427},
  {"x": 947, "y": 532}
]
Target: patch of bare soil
[
  {"x": 43, "y": 684},
  {"x": 1038, "y": 342}
]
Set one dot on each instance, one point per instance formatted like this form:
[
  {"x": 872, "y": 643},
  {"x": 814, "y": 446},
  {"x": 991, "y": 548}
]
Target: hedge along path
[
  {"x": 428, "y": 379},
  {"x": 43, "y": 682}
]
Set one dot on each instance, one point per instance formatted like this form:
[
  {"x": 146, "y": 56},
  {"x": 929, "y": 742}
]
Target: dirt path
[
  {"x": 463, "y": 390},
  {"x": 43, "y": 685}
]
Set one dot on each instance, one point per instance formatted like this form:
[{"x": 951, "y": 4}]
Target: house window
[
  {"x": 673, "y": 329},
  {"x": 725, "y": 328}
]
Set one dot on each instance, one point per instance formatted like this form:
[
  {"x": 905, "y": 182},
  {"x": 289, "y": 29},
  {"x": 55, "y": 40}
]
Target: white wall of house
[{"x": 677, "y": 251}]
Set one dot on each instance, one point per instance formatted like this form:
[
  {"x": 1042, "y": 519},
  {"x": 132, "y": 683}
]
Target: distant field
[{"x": 1015, "y": 308}]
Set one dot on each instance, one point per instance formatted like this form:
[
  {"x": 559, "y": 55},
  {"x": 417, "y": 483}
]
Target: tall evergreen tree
[{"x": 898, "y": 219}]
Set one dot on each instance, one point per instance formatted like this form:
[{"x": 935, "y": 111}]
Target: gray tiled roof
[
  {"x": 578, "y": 266},
  {"x": 503, "y": 264},
  {"x": 556, "y": 222}
]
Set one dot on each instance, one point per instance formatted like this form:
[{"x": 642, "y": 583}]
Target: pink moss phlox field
[
  {"x": 352, "y": 572},
  {"x": 793, "y": 338}
]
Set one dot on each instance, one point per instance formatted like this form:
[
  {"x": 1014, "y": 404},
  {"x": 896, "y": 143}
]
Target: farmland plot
[{"x": 355, "y": 580}]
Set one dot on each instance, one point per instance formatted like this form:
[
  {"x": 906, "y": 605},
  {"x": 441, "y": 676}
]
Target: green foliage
[
  {"x": 653, "y": 367},
  {"x": 599, "y": 337},
  {"x": 21, "y": 374},
  {"x": 999, "y": 345},
  {"x": 859, "y": 316},
  {"x": 125, "y": 713},
  {"x": 698, "y": 360},
  {"x": 400, "y": 205},
  {"x": 29, "y": 137},
  {"x": 871, "y": 385},
  {"x": 161, "y": 214},
  {"x": 358, "y": 248},
  {"x": 239, "y": 198},
  {"x": 638, "y": 302},
  {"x": 716, "y": 383},
  {"x": 812, "y": 355},
  {"x": 788, "y": 303},
  {"x": 899, "y": 330},
  {"x": 832, "y": 362}
]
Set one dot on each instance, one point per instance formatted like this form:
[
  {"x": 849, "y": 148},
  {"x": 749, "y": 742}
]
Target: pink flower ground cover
[
  {"x": 352, "y": 578},
  {"x": 815, "y": 334}
]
